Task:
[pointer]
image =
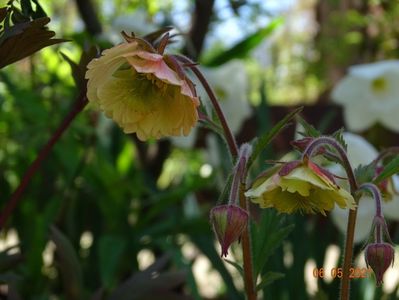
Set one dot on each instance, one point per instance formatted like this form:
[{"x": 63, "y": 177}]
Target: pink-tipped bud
[
  {"x": 379, "y": 256},
  {"x": 229, "y": 222}
]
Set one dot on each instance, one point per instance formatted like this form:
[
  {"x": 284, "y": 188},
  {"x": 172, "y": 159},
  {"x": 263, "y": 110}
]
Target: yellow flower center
[{"x": 379, "y": 85}]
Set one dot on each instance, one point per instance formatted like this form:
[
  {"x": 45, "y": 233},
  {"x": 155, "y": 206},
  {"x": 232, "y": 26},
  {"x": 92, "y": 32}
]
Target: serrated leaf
[
  {"x": 68, "y": 263},
  {"x": 268, "y": 278},
  {"x": 242, "y": 48},
  {"x": 265, "y": 139},
  {"x": 338, "y": 136},
  {"x": 389, "y": 170},
  {"x": 22, "y": 40},
  {"x": 309, "y": 129},
  {"x": 235, "y": 265},
  {"x": 365, "y": 173}
]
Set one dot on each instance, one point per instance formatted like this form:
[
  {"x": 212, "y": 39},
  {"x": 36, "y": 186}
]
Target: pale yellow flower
[
  {"x": 299, "y": 186},
  {"x": 142, "y": 91}
]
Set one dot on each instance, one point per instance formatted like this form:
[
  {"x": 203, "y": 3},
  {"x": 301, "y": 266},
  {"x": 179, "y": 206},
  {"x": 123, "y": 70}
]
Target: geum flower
[
  {"x": 300, "y": 186},
  {"x": 370, "y": 94},
  {"x": 143, "y": 90}
]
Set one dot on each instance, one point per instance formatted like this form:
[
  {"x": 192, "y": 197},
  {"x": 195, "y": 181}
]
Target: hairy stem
[
  {"x": 33, "y": 168},
  {"x": 249, "y": 281},
  {"x": 227, "y": 132},
  {"x": 350, "y": 230}
]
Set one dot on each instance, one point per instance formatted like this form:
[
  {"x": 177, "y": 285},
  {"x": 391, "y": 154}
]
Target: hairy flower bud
[
  {"x": 379, "y": 256},
  {"x": 229, "y": 222}
]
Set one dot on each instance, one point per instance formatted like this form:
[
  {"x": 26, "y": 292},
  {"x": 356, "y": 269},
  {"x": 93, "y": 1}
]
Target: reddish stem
[{"x": 33, "y": 168}]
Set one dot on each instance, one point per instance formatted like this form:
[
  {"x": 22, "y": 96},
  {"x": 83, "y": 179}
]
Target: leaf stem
[{"x": 15, "y": 198}]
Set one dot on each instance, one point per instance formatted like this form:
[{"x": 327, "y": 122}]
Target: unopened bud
[
  {"x": 229, "y": 222},
  {"x": 379, "y": 256}
]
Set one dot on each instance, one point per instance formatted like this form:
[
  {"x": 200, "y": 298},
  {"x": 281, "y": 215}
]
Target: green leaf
[
  {"x": 338, "y": 136},
  {"x": 268, "y": 278},
  {"x": 389, "y": 170},
  {"x": 110, "y": 251},
  {"x": 309, "y": 129},
  {"x": 267, "y": 236},
  {"x": 69, "y": 265},
  {"x": 265, "y": 139},
  {"x": 235, "y": 265},
  {"x": 242, "y": 48},
  {"x": 365, "y": 173},
  {"x": 22, "y": 40}
]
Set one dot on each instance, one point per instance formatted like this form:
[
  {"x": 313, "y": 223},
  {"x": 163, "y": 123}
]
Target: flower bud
[
  {"x": 229, "y": 222},
  {"x": 379, "y": 256}
]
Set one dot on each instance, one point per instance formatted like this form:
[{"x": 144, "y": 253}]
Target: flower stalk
[
  {"x": 350, "y": 231},
  {"x": 379, "y": 255},
  {"x": 237, "y": 194},
  {"x": 231, "y": 142}
]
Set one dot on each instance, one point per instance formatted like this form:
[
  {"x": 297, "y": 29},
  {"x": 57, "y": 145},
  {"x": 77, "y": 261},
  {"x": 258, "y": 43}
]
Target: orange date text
[{"x": 354, "y": 273}]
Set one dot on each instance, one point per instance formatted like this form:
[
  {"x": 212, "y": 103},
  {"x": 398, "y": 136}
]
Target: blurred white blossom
[
  {"x": 362, "y": 152},
  {"x": 138, "y": 22},
  {"x": 370, "y": 94},
  {"x": 230, "y": 84}
]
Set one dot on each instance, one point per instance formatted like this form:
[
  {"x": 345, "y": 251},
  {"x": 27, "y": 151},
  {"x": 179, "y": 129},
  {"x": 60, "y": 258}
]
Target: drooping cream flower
[
  {"x": 299, "y": 186},
  {"x": 142, "y": 90},
  {"x": 362, "y": 152},
  {"x": 370, "y": 94}
]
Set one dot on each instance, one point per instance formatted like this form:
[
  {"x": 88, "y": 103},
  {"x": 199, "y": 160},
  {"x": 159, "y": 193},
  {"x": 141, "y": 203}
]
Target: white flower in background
[
  {"x": 230, "y": 84},
  {"x": 137, "y": 22},
  {"x": 370, "y": 94},
  {"x": 361, "y": 152}
]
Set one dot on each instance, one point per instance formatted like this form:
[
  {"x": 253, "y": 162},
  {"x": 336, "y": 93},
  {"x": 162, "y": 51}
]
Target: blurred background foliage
[{"x": 109, "y": 217}]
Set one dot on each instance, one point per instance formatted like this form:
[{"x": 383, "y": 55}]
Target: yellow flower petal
[{"x": 138, "y": 105}]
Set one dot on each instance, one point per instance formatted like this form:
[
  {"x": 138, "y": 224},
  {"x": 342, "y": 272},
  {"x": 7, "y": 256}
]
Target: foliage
[{"x": 106, "y": 216}]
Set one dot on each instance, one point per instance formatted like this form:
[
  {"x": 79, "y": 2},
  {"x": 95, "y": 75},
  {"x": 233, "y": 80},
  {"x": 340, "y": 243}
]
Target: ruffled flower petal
[
  {"x": 302, "y": 188},
  {"x": 136, "y": 88}
]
